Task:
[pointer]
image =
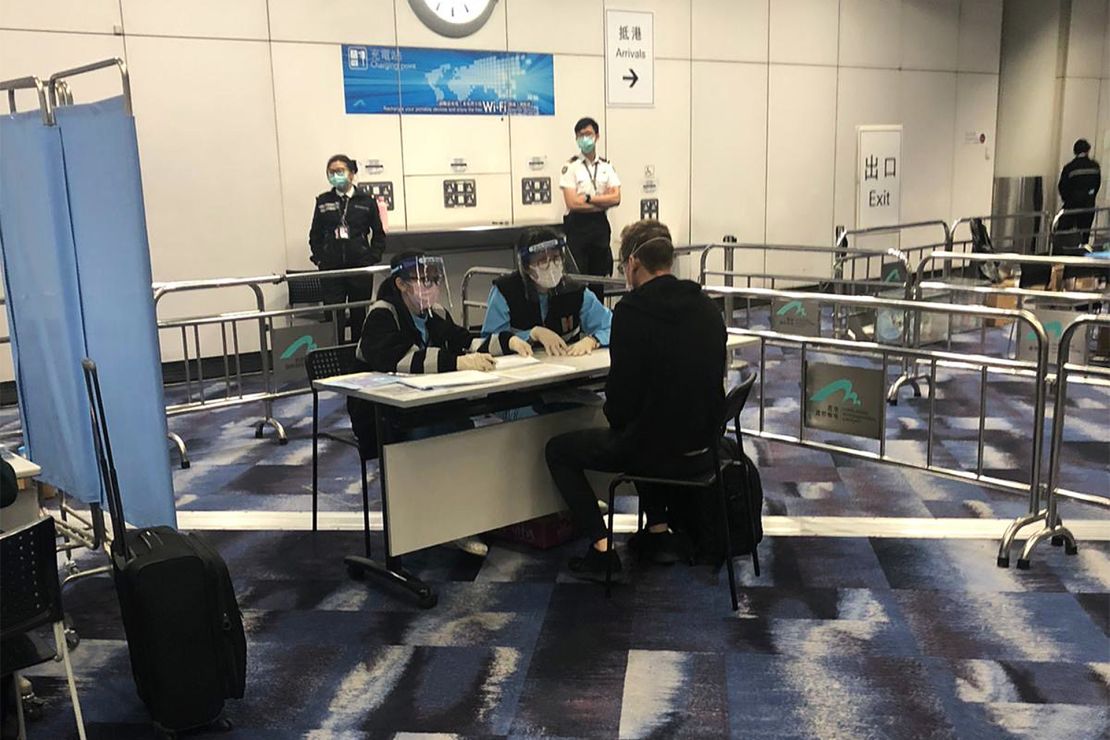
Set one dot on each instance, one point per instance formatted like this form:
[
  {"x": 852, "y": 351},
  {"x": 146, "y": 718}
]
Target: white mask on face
[{"x": 548, "y": 276}]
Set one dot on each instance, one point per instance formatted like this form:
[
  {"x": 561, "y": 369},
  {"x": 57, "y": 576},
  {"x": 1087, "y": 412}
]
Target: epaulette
[
  {"x": 603, "y": 159},
  {"x": 573, "y": 159}
]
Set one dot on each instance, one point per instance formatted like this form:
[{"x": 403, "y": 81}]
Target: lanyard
[
  {"x": 593, "y": 176},
  {"x": 343, "y": 216}
]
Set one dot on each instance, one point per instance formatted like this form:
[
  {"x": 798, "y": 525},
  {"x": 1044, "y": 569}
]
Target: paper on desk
[
  {"x": 364, "y": 381},
  {"x": 536, "y": 370},
  {"x": 508, "y": 362},
  {"x": 448, "y": 380}
]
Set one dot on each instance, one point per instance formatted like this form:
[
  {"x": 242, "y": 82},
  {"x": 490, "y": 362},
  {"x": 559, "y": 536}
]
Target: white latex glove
[
  {"x": 521, "y": 347},
  {"x": 552, "y": 343},
  {"x": 583, "y": 346},
  {"x": 478, "y": 361}
]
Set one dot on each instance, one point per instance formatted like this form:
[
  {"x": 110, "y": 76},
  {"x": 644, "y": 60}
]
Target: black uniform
[
  {"x": 390, "y": 342},
  {"x": 564, "y": 309},
  {"x": 362, "y": 246},
  {"x": 588, "y": 233},
  {"x": 664, "y": 399},
  {"x": 1079, "y": 184}
]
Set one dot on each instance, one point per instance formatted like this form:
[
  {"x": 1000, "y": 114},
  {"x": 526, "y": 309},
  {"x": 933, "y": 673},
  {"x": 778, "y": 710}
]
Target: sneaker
[
  {"x": 471, "y": 546},
  {"x": 662, "y": 548},
  {"x": 603, "y": 507},
  {"x": 591, "y": 566}
]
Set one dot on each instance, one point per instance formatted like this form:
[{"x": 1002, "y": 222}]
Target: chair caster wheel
[
  {"x": 426, "y": 598},
  {"x": 1057, "y": 541},
  {"x": 1003, "y": 562},
  {"x": 355, "y": 573},
  {"x": 1022, "y": 564},
  {"x": 1071, "y": 549}
]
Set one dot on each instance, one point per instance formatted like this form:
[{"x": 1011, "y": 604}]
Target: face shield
[
  {"x": 545, "y": 266},
  {"x": 424, "y": 283}
]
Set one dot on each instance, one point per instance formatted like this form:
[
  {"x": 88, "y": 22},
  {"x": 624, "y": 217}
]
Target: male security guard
[
  {"x": 1079, "y": 183},
  {"x": 590, "y": 188}
]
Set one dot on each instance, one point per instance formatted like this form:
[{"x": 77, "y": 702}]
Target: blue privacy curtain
[
  {"x": 81, "y": 179},
  {"x": 113, "y": 271},
  {"x": 44, "y": 305}
]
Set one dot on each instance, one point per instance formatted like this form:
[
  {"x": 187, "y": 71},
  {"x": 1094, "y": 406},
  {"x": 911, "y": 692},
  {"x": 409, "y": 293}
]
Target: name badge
[{"x": 342, "y": 233}]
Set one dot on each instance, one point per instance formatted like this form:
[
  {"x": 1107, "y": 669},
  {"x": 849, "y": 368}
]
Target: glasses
[
  {"x": 545, "y": 260},
  {"x": 425, "y": 281}
]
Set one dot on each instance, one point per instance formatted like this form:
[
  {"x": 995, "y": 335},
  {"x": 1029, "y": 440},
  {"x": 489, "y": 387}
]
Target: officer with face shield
[{"x": 539, "y": 303}]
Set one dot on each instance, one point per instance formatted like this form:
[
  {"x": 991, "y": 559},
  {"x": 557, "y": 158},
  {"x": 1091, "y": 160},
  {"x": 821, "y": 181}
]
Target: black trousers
[
  {"x": 348, "y": 289},
  {"x": 588, "y": 237},
  {"x": 570, "y": 455}
]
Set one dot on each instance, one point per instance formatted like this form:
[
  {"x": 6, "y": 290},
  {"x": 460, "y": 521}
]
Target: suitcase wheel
[
  {"x": 427, "y": 598},
  {"x": 356, "y": 574}
]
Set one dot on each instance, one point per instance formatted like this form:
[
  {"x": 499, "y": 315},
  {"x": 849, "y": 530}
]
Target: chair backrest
[
  {"x": 29, "y": 572},
  {"x": 737, "y": 397},
  {"x": 305, "y": 290},
  {"x": 327, "y": 362}
]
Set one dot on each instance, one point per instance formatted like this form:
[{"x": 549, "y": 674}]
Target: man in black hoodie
[{"x": 664, "y": 396}]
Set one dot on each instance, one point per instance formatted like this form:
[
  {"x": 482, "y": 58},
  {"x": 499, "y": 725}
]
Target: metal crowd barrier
[
  {"x": 935, "y": 358},
  {"x": 1036, "y": 239},
  {"x": 1097, "y": 234},
  {"x": 231, "y": 357},
  {"x": 1054, "y": 528}
]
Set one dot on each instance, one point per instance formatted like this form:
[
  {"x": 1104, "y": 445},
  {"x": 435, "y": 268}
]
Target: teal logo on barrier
[
  {"x": 837, "y": 386},
  {"x": 306, "y": 341},
  {"x": 894, "y": 276},
  {"x": 793, "y": 307},
  {"x": 1055, "y": 328}
]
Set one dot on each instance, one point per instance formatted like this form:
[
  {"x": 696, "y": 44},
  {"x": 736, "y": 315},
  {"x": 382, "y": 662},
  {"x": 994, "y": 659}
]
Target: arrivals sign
[
  {"x": 878, "y": 176},
  {"x": 630, "y": 58}
]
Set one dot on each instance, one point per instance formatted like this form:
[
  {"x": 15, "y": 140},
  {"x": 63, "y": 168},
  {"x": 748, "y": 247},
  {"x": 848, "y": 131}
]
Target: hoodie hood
[{"x": 665, "y": 298}]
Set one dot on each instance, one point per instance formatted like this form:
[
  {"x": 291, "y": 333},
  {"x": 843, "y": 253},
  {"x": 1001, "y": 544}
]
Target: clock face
[{"x": 455, "y": 18}]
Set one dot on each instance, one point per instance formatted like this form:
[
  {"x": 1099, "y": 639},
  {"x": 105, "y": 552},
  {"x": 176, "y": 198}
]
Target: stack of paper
[
  {"x": 438, "y": 381},
  {"x": 508, "y": 362}
]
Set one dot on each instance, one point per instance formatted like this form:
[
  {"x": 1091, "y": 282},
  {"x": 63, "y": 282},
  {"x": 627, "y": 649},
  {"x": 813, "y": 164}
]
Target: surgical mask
[
  {"x": 338, "y": 180},
  {"x": 586, "y": 144},
  {"x": 548, "y": 276}
]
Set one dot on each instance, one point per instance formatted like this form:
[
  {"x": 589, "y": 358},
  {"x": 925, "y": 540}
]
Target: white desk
[{"x": 441, "y": 488}]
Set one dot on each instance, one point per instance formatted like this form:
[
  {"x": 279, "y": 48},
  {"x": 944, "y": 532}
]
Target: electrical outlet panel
[
  {"x": 535, "y": 190},
  {"x": 379, "y": 190},
  {"x": 649, "y": 208},
  {"x": 460, "y": 194}
]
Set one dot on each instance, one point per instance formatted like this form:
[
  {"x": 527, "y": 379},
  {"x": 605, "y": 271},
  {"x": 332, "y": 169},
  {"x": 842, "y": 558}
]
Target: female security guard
[
  {"x": 346, "y": 232},
  {"x": 539, "y": 303},
  {"x": 408, "y": 331}
]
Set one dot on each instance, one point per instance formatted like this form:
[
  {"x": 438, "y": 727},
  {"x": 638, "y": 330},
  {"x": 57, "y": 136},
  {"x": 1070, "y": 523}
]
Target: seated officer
[
  {"x": 664, "y": 396},
  {"x": 539, "y": 303}
]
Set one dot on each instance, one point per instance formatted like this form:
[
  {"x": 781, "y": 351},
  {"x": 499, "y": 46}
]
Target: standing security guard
[
  {"x": 590, "y": 188},
  {"x": 346, "y": 232},
  {"x": 1079, "y": 183}
]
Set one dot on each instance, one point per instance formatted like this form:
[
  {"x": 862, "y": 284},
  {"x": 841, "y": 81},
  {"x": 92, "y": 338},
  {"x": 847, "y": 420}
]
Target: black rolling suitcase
[{"x": 183, "y": 625}]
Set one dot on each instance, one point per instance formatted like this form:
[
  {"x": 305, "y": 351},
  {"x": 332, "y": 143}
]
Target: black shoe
[
  {"x": 672, "y": 547},
  {"x": 591, "y": 566}
]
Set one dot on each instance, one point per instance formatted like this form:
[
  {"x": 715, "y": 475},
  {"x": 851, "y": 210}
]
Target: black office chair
[
  {"x": 327, "y": 362},
  {"x": 713, "y": 479},
  {"x": 32, "y": 599}
]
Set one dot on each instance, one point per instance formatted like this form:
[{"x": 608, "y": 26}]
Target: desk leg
[{"x": 392, "y": 572}]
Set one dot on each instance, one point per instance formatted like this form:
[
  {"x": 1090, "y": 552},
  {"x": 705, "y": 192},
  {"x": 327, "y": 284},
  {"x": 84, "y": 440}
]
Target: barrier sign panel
[
  {"x": 796, "y": 317},
  {"x": 849, "y": 400},
  {"x": 878, "y": 176},
  {"x": 402, "y": 79},
  {"x": 290, "y": 345},
  {"x": 1054, "y": 323}
]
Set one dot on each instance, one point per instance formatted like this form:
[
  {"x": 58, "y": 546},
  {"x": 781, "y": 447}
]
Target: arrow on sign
[{"x": 632, "y": 77}]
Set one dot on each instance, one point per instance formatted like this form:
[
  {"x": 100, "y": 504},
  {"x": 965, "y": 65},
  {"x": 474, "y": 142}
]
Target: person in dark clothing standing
[
  {"x": 1080, "y": 181},
  {"x": 590, "y": 188},
  {"x": 346, "y": 232},
  {"x": 664, "y": 396}
]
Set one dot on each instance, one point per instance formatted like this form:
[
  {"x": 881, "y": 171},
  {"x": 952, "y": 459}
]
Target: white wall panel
[
  {"x": 25, "y": 53},
  {"x": 804, "y": 31},
  {"x": 865, "y": 97},
  {"x": 871, "y": 33},
  {"x": 928, "y": 120},
  {"x": 412, "y": 32},
  {"x": 980, "y": 35},
  {"x": 730, "y": 30},
  {"x": 729, "y": 152},
  {"x": 426, "y": 211},
  {"x": 432, "y": 142},
  {"x": 658, "y": 136},
  {"x": 1102, "y": 146},
  {"x": 1087, "y": 38},
  {"x": 579, "y": 91},
  {"x": 362, "y": 22},
  {"x": 89, "y": 16},
  {"x": 240, "y": 19},
  {"x": 672, "y": 25},
  {"x": 800, "y": 149},
  {"x": 973, "y": 163},
  {"x": 930, "y": 34},
  {"x": 312, "y": 126},
  {"x": 1079, "y": 119},
  {"x": 564, "y": 27}
]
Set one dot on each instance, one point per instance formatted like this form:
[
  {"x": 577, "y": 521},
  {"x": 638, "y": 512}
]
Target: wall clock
[{"x": 453, "y": 18}]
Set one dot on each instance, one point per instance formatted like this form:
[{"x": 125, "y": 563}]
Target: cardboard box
[{"x": 996, "y": 300}]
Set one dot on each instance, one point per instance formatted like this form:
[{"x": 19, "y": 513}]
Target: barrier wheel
[
  {"x": 426, "y": 598},
  {"x": 1003, "y": 562},
  {"x": 1022, "y": 564},
  {"x": 1057, "y": 540},
  {"x": 282, "y": 441},
  {"x": 1071, "y": 549},
  {"x": 185, "y": 464},
  {"x": 258, "y": 432},
  {"x": 72, "y": 638}
]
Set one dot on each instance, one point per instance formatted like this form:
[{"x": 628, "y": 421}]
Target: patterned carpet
[{"x": 838, "y": 638}]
